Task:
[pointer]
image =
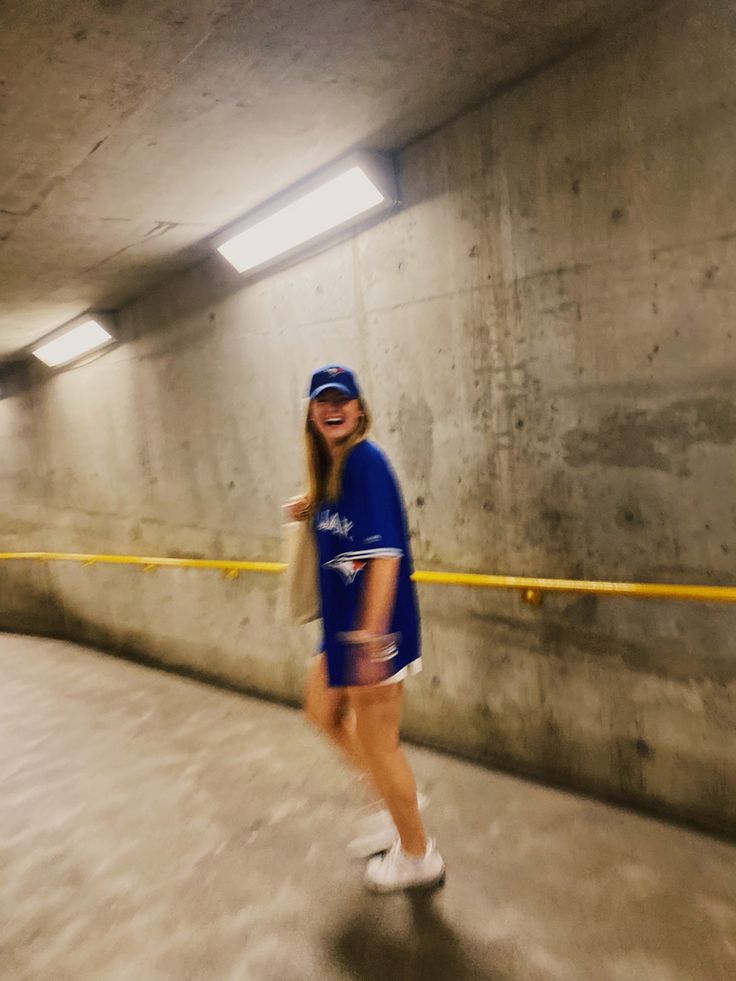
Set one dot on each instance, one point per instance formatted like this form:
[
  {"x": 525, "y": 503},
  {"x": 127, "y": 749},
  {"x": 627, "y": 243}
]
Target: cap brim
[{"x": 340, "y": 388}]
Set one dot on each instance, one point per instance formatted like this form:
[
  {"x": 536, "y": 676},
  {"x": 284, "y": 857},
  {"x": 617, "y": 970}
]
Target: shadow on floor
[{"x": 379, "y": 942}]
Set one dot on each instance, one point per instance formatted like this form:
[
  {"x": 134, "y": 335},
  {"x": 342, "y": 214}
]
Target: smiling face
[{"x": 335, "y": 416}]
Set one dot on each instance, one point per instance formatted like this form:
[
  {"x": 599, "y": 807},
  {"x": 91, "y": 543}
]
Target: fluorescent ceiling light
[
  {"x": 82, "y": 339},
  {"x": 352, "y": 190}
]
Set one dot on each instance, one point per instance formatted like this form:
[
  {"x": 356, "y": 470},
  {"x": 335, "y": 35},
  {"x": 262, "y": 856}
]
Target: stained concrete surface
[
  {"x": 134, "y": 129},
  {"x": 155, "y": 828}
]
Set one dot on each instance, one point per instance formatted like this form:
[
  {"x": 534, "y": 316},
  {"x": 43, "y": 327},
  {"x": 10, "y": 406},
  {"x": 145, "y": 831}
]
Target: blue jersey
[{"x": 367, "y": 522}]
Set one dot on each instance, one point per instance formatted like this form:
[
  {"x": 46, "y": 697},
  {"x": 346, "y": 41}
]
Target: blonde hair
[{"x": 324, "y": 475}]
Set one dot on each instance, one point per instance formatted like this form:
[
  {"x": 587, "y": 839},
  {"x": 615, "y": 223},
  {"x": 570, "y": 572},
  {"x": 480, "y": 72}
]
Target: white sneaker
[
  {"x": 376, "y": 832},
  {"x": 395, "y": 870}
]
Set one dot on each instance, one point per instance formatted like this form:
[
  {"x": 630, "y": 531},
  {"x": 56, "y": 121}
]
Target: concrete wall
[{"x": 545, "y": 332}]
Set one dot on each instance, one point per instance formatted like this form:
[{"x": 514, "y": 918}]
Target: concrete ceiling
[{"x": 131, "y": 130}]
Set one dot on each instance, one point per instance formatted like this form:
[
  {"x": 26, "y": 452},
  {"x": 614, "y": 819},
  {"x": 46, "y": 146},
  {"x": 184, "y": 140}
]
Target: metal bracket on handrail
[{"x": 532, "y": 596}]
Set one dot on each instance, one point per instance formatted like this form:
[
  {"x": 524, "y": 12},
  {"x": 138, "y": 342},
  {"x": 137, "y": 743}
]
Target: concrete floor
[{"x": 155, "y": 828}]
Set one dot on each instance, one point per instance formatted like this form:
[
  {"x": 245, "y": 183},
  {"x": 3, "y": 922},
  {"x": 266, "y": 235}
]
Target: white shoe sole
[{"x": 436, "y": 882}]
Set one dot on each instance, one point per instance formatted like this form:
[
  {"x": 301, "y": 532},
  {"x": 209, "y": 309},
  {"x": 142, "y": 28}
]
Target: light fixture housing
[
  {"x": 82, "y": 336},
  {"x": 349, "y": 192}
]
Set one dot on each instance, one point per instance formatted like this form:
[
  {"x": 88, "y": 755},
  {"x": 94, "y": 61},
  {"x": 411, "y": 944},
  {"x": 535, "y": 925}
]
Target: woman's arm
[
  {"x": 378, "y": 596},
  {"x": 368, "y": 645}
]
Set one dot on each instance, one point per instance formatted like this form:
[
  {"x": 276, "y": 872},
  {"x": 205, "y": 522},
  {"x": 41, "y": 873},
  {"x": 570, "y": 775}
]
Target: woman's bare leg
[
  {"x": 377, "y": 717},
  {"x": 329, "y": 710}
]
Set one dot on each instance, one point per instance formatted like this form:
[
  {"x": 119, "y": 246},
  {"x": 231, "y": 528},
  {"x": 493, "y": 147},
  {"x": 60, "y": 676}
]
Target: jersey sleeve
[{"x": 377, "y": 512}]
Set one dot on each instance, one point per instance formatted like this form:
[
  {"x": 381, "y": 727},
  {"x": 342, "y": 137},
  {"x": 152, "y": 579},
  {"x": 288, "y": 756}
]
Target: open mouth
[{"x": 334, "y": 421}]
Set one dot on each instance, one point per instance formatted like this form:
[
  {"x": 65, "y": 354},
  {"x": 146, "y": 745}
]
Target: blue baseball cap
[{"x": 334, "y": 376}]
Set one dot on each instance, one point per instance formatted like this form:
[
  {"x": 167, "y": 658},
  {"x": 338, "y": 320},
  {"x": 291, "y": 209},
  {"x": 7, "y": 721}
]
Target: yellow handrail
[
  {"x": 531, "y": 588},
  {"x": 149, "y": 562}
]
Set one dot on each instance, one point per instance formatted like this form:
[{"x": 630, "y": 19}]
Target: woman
[{"x": 371, "y": 624}]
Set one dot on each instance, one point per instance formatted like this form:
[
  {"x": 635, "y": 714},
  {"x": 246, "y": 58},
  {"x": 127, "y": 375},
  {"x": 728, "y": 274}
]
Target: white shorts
[{"x": 413, "y": 667}]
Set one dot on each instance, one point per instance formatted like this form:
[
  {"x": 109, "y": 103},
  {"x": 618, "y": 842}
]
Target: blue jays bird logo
[{"x": 347, "y": 567}]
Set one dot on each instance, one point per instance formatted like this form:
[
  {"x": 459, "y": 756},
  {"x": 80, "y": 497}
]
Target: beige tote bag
[{"x": 301, "y": 572}]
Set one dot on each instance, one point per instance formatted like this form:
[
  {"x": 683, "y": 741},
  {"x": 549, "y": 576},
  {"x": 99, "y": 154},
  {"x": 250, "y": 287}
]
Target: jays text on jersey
[{"x": 367, "y": 522}]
